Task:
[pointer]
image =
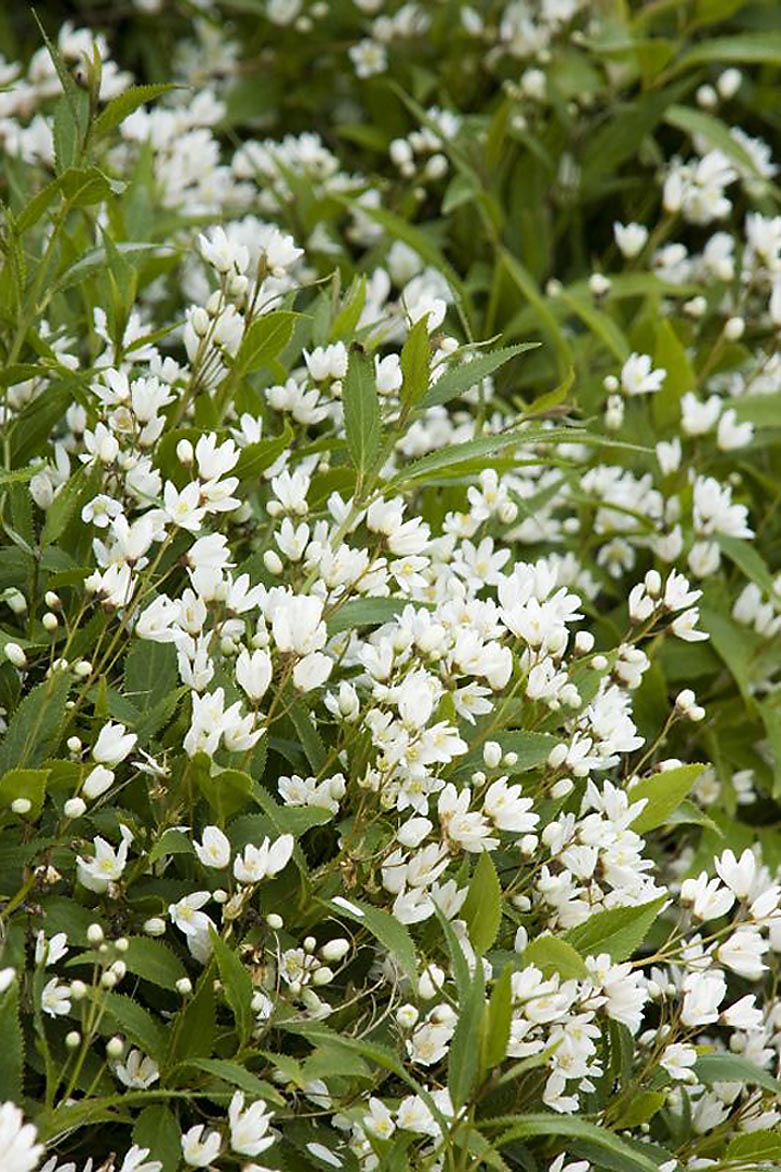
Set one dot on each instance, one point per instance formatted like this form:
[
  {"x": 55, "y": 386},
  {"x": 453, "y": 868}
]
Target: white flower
[
  {"x": 249, "y": 1127},
  {"x": 200, "y": 1147},
  {"x": 113, "y": 745},
  {"x": 703, "y": 993},
  {"x": 55, "y": 999},
  {"x": 214, "y": 849},
  {"x": 630, "y": 238},
  {"x": 312, "y": 671},
  {"x": 265, "y": 861},
  {"x": 254, "y": 672},
  {"x": 19, "y": 1151},
  {"x": 137, "y": 1071},
  {"x": 743, "y": 952},
  {"x": 639, "y": 378}
]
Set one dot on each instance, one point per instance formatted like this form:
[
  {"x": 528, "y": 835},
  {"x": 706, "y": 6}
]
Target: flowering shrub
[{"x": 391, "y": 592}]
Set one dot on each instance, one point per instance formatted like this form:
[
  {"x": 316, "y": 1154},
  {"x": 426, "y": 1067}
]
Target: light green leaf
[
  {"x": 29, "y": 784},
  {"x": 464, "y": 1055},
  {"x": 671, "y": 356},
  {"x": 265, "y": 339},
  {"x": 724, "y": 1067},
  {"x": 482, "y": 908},
  {"x": 663, "y": 793},
  {"x": 361, "y": 412},
  {"x": 551, "y": 954},
  {"x": 618, "y": 931},
  {"x": 496, "y": 1022},
  {"x": 462, "y": 376},
  {"x": 121, "y": 107}
]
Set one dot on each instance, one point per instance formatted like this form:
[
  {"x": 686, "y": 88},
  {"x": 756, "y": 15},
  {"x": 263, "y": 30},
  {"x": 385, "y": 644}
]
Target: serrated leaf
[
  {"x": 121, "y": 107},
  {"x": 758, "y": 1147},
  {"x": 154, "y": 961},
  {"x": 385, "y": 928},
  {"x": 365, "y": 612},
  {"x": 462, "y": 377},
  {"x": 415, "y": 363},
  {"x": 237, "y": 985},
  {"x": 551, "y": 954},
  {"x": 361, "y": 412},
  {"x": 464, "y": 1054},
  {"x": 724, "y": 1067},
  {"x": 29, "y": 784},
  {"x": 264, "y": 340},
  {"x": 191, "y": 1033},
  {"x": 497, "y": 1021},
  {"x": 618, "y": 931},
  {"x": 663, "y": 793},
  {"x": 75, "y": 493},
  {"x": 33, "y": 730},
  {"x": 150, "y": 672},
  {"x": 156, "y": 1130},
  {"x": 482, "y": 908},
  {"x": 532, "y": 1126},
  {"x": 238, "y": 1076},
  {"x": 12, "y": 1065},
  {"x": 128, "y": 1017}
]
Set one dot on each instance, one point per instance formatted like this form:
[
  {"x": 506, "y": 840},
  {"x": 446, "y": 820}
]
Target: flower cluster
[{"x": 389, "y": 752}]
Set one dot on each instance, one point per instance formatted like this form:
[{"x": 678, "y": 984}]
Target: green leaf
[
  {"x": 193, "y": 1028},
  {"x": 713, "y": 1068},
  {"x": 34, "y": 728},
  {"x": 618, "y": 931},
  {"x": 715, "y": 132},
  {"x": 571, "y": 1126},
  {"x": 346, "y": 320},
  {"x": 748, "y": 559},
  {"x": 361, "y": 412},
  {"x": 365, "y": 612},
  {"x": 464, "y": 1055},
  {"x": 599, "y": 322},
  {"x": 461, "y": 377},
  {"x": 150, "y": 672},
  {"x": 391, "y": 934},
  {"x": 256, "y": 458},
  {"x": 236, "y": 1075},
  {"x": 747, "y": 48},
  {"x": 121, "y": 107},
  {"x": 75, "y": 493},
  {"x": 24, "y": 783},
  {"x": 12, "y": 1065},
  {"x": 154, "y": 961},
  {"x": 482, "y": 908},
  {"x": 551, "y": 954},
  {"x": 640, "y": 1109},
  {"x": 497, "y": 1020},
  {"x": 760, "y": 1147},
  {"x": 311, "y": 741},
  {"x": 663, "y": 793},
  {"x": 265, "y": 339},
  {"x": 227, "y": 791},
  {"x": 671, "y": 356},
  {"x": 476, "y": 449},
  {"x": 237, "y": 985},
  {"x": 130, "y": 1018},
  {"x": 157, "y": 1130},
  {"x": 415, "y": 364}
]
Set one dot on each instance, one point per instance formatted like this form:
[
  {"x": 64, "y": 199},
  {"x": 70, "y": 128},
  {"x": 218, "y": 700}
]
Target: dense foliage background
[{"x": 390, "y": 586}]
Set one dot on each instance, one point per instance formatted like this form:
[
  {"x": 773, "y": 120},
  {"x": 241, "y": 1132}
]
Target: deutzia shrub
[{"x": 391, "y": 589}]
